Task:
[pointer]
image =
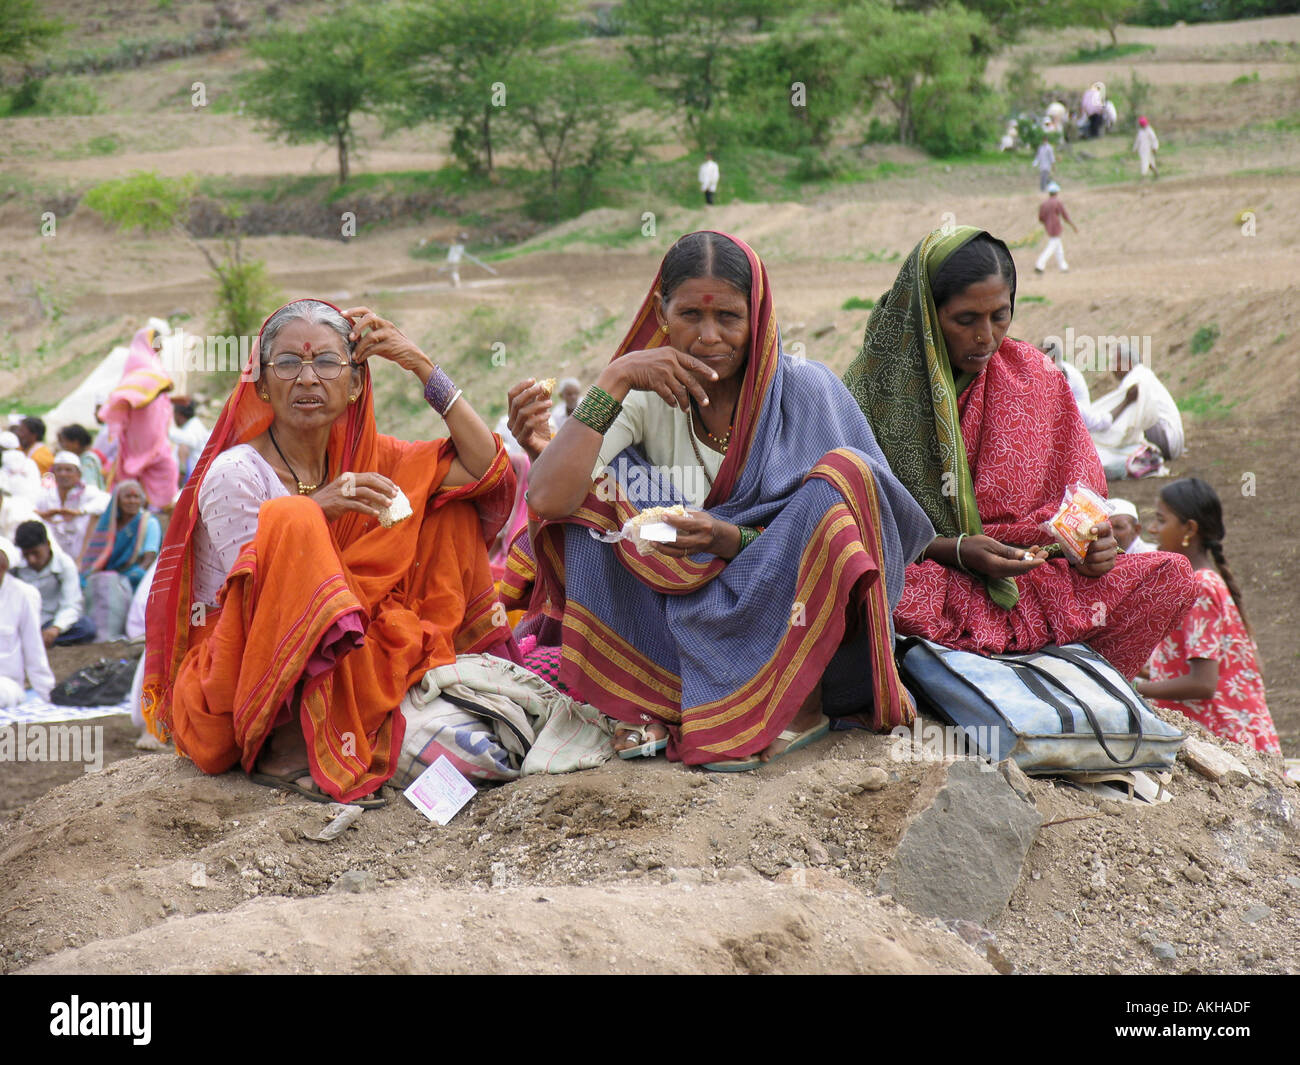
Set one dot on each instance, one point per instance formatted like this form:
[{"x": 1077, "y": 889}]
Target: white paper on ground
[{"x": 440, "y": 791}]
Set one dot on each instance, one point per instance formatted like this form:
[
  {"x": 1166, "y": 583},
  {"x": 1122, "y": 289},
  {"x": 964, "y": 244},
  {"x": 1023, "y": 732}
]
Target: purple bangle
[{"x": 440, "y": 391}]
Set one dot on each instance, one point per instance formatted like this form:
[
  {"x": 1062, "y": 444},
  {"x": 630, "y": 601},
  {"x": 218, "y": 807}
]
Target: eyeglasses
[{"x": 288, "y": 367}]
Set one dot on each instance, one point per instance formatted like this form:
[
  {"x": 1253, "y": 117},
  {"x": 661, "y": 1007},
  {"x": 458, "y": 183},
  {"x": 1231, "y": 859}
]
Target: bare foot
[
  {"x": 809, "y": 714},
  {"x": 285, "y": 752},
  {"x": 628, "y": 736}
]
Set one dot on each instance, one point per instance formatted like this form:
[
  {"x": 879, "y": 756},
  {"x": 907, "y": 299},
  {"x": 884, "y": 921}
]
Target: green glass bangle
[
  {"x": 747, "y": 536},
  {"x": 598, "y": 410}
]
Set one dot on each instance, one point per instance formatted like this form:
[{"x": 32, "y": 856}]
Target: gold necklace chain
[{"x": 303, "y": 489}]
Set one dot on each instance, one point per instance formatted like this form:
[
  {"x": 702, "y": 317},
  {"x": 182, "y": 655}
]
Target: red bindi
[
  {"x": 708, "y": 297},
  {"x": 306, "y": 347}
]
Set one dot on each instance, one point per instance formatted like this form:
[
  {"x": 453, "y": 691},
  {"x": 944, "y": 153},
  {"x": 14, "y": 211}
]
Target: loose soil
[{"x": 149, "y": 866}]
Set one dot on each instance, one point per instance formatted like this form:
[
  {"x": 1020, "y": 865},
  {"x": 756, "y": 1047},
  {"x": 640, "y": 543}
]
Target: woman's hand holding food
[
  {"x": 530, "y": 413},
  {"x": 364, "y": 493},
  {"x": 671, "y": 374},
  {"x": 983, "y": 554},
  {"x": 1102, "y": 552},
  {"x": 701, "y": 531}
]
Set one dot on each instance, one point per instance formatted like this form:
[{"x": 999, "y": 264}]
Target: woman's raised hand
[
  {"x": 673, "y": 375},
  {"x": 701, "y": 531},
  {"x": 365, "y": 493},
  {"x": 530, "y": 413},
  {"x": 1102, "y": 552},
  {"x": 375, "y": 336}
]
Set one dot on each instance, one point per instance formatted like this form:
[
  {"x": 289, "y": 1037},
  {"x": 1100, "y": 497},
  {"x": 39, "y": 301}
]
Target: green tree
[
  {"x": 897, "y": 52},
  {"x": 458, "y": 59},
  {"x": 1005, "y": 19},
  {"x": 571, "y": 110},
  {"x": 153, "y": 204},
  {"x": 1103, "y": 14},
  {"x": 787, "y": 90},
  {"x": 316, "y": 81},
  {"x": 684, "y": 49},
  {"x": 22, "y": 30}
]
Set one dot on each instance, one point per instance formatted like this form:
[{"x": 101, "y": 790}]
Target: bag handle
[{"x": 1082, "y": 663}]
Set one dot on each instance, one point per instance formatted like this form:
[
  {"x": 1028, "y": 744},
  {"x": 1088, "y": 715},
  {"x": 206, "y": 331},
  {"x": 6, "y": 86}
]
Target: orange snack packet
[{"x": 1071, "y": 526}]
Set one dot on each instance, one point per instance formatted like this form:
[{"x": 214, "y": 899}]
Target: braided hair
[{"x": 1192, "y": 499}]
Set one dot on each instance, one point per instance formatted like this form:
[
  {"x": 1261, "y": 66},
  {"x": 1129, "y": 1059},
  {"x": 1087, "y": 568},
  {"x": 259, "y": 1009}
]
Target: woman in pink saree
[{"x": 138, "y": 415}]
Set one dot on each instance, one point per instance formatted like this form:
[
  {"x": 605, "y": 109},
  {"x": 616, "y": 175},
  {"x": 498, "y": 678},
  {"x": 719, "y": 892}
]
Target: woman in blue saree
[
  {"x": 773, "y": 606},
  {"x": 120, "y": 547}
]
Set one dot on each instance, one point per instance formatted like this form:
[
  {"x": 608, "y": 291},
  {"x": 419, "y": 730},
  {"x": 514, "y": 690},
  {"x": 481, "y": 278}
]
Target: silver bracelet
[{"x": 960, "y": 538}]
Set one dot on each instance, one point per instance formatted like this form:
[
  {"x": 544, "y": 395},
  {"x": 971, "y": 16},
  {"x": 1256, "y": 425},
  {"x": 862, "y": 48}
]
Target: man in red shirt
[{"x": 1050, "y": 212}]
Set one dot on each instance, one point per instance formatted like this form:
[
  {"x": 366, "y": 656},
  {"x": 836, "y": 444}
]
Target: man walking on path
[
  {"x": 1146, "y": 145},
  {"x": 1045, "y": 160},
  {"x": 708, "y": 177},
  {"x": 1050, "y": 212}
]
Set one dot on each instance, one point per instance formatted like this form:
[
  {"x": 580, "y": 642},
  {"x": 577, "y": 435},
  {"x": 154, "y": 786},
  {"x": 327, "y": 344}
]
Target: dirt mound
[{"x": 151, "y": 866}]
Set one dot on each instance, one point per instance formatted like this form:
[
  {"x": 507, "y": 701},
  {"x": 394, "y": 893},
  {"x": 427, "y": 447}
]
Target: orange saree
[{"x": 333, "y": 622}]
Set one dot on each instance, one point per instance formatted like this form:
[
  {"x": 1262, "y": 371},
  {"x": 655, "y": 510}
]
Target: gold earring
[
  {"x": 1187, "y": 540},
  {"x": 353, "y": 399},
  {"x": 266, "y": 396}
]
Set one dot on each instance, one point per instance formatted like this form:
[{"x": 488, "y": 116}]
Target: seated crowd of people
[{"x": 313, "y": 569}]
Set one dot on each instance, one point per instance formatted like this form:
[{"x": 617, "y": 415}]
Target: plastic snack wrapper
[
  {"x": 646, "y": 527},
  {"x": 1071, "y": 526}
]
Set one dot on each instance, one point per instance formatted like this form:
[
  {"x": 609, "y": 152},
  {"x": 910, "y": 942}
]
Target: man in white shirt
[
  {"x": 1095, "y": 421},
  {"x": 19, "y": 475},
  {"x": 54, "y": 575},
  {"x": 189, "y": 435},
  {"x": 69, "y": 504},
  {"x": 1141, "y": 410},
  {"x": 22, "y": 654},
  {"x": 708, "y": 177}
]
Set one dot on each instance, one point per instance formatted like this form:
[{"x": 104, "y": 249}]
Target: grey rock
[
  {"x": 961, "y": 855},
  {"x": 1015, "y": 776},
  {"x": 1164, "y": 951},
  {"x": 354, "y": 881},
  {"x": 873, "y": 778},
  {"x": 1275, "y": 806},
  {"x": 1293, "y": 882},
  {"x": 1256, "y": 913}
]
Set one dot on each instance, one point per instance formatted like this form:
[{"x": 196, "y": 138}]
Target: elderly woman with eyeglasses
[{"x": 293, "y": 605}]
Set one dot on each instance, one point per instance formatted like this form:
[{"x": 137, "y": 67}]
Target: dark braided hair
[
  {"x": 1195, "y": 500},
  {"x": 705, "y": 254}
]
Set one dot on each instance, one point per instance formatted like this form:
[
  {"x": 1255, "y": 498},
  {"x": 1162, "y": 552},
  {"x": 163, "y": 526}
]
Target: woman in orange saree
[{"x": 312, "y": 636}]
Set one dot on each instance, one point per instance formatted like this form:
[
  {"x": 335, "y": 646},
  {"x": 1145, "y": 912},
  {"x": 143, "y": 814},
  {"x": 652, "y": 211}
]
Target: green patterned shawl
[{"x": 904, "y": 383}]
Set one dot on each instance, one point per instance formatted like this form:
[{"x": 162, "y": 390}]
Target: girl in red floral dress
[{"x": 1208, "y": 667}]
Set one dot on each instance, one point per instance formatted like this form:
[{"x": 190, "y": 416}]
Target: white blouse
[
  {"x": 665, "y": 437},
  {"x": 238, "y": 482}
]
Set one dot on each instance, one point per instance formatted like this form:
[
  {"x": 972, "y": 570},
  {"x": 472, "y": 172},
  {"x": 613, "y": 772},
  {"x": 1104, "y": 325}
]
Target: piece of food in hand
[
  {"x": 1072, "y": 525},
  {"x": 548, "y": 384},
  {"x": 650, "y": 524},
  {"x": 398, "y": 510}
]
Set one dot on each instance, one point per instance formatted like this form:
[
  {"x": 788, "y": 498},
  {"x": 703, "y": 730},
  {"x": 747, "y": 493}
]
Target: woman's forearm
[
  {"x": 942, "y": 549},
  {"x": 476, "y": 446},
  {"x": 561, "y": 477},
  {"x": 1200, "y": 682}
]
